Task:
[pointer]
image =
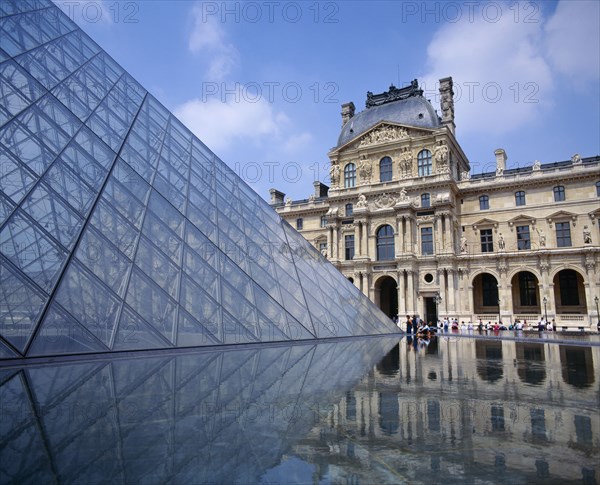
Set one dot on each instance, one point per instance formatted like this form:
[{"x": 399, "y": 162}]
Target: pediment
[
  {"x": 561, "y": 213},
  {"x": 522, "y": 219},
  {"x": 384, "y": 132},
  {"x": 485, "y": 222}
]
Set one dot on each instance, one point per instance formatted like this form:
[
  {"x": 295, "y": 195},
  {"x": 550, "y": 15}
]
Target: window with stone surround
[
  {"x": 385, "y": 169},
  {"x": 523, "y": 238},
  {"x": 426, "y": 240},
  {"x": 563, "y": 234},
  {"x": 299, "y": 224},
  {"x": 385, "y": 243},
  {"x": 425, "y": 200},
  {"x": 559, "y": 193},
  {"x": 424, "y": 163},
  {"x": 484, "y": 202},
  {"x": 520, "y": 198},
  {"x": 349, "y": 246},
  {"x": 349, "y": 176},
  {"x": 487, "y": 240}
]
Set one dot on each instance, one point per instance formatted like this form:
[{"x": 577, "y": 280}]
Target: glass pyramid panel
[{"x": 121, "y": 230}]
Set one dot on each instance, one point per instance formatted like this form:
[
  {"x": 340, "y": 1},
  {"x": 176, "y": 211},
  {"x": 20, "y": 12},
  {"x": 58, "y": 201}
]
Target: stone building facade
[{"x": 406, "y": 221}]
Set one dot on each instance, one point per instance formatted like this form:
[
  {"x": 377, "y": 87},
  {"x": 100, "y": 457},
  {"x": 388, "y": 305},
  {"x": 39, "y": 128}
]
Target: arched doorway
[
  {"x": 569, "y": 293},
  {"x": 485, "y": 294},
  {"x": 386, "y": 295},
  {"x": 525, "y": 293}
]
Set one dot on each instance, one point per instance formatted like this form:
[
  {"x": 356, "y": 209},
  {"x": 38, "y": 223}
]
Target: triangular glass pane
[
  {"x": 60, "y": 333},
  {"x": 134, "y": 333},
  {"x": 90, "y": 302}
]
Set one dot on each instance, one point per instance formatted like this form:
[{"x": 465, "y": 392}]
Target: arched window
[
  {"x": 424, "y": 163},
  {"x": 425, "y": 200},
  {"x": 385, "y": 243},
  {"x": 349, "y": 210},
  {"x": 559, "y": 193},
  {"x": 385, "y": 169},
  {"x": 349, "y": 176}
]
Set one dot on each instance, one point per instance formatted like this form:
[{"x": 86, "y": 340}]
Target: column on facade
[
  {"x": 451, "y": 292},
  {"x": 401, "y": 294},
  {"x": 547, "y": 291},
  {"x": 336, "y": 242},
  {"x": 469, "y": 288},
  {"x": 401, "y": 231},
  {"x": 437, "y": 234},
  {"x": 330, "y": 242},
  {"x": 505, "y": 295},
  {"x": 443, "y": 308},
  {"x": 408, "y": 222},
  {"x": 444, "y": 228},
  {"x": 365, "y": 239},
  {"x": 359, "y": 228},
  {"x": 410, "y": 293}
]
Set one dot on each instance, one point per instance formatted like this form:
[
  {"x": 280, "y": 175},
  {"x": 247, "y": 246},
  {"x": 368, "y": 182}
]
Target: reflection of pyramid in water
[{"x": 120, "y": 230}]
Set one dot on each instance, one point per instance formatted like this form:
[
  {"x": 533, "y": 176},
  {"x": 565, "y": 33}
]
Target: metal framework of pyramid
[{"x": 121, "y": 230}]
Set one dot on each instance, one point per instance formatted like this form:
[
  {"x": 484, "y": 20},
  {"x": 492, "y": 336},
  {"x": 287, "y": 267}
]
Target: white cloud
[
  {"x": 297, "y": 142},
  {"x": 209, "y": 38},
  {"x": 573, "y": 40},
  {"x": 221, "y": 125},
  {"x": 501, "y": 77}
]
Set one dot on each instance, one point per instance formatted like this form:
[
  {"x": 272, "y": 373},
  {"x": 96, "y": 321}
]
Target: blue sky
[{"x": 261, "y": 83}]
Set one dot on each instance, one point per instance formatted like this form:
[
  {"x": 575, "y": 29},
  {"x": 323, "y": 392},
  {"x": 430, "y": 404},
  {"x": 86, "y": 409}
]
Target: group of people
[{"x": 417, "y": 326}]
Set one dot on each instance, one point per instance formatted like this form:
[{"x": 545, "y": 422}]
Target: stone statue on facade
[
  {"x": 405, "y": 163},
  {"x": 501, "y": 243},
  {"x": 587, "y": 235},
  {"x": 537, "y": 165},
  {"x": 334, "y": 175},
  {"x": 362, "y": 201},
  {"x": 542, "y": 237},
  {"x": 288, "y": 202},
  {"x": 440, "y": 154},
  {"x": 576, "y": 159},
  {"x": 463, "y": 244},
  {"x": 365, "y": 170},
  {"x": 403, "y": 197}
]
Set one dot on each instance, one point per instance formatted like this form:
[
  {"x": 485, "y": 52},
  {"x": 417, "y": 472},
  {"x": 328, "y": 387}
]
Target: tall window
[
  {"x": 299, "y": 223},
  {"x": 385, "y": 169},
  {"x": 323, "y": 248},
  {"x": 563, "y": 234},
  {"x": 424, "y": 163},
  {"x": 323, "y": 221},
  {"x": 484, "y": 202},
  {"x": 385, "y": 243},
  {"x": 425, "y": 200},
  {"x": 349, "y": 245},
  {"x": 489, "y": 287},
  {"x": 523, "y": 237},
  {"x": 559, "y": 193},
  {"x": 520, "y": 197},
  {"x": 349, "y": 176},
  {"x": 567, "y": 281},
  {"x": 426, "y": 240},
  {"x": 527, "y": 288},
  {"x": 597, "y": 189},
  {"x": 487, "y": 241},
  {"x": 349, "y": 210}
]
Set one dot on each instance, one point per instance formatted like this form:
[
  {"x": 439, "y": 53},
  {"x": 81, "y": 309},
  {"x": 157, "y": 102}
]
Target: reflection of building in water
[{"x": 516, "y": 411}]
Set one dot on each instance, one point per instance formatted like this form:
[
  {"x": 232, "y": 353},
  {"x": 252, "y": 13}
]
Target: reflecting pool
[{"x": 354, "y": 411}]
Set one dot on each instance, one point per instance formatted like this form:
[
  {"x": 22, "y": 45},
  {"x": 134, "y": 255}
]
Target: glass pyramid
[{"x": 120, "y": 230}]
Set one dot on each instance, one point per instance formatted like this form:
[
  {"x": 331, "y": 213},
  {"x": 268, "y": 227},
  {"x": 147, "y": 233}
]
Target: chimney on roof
[
  {"x": 447, "y": 103},
  {"x": 500, "y": 160},
  {"x": 347, "y": 112},
  {"x": 320, "y": 189},
  {"x": 276, "y": 196}
]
